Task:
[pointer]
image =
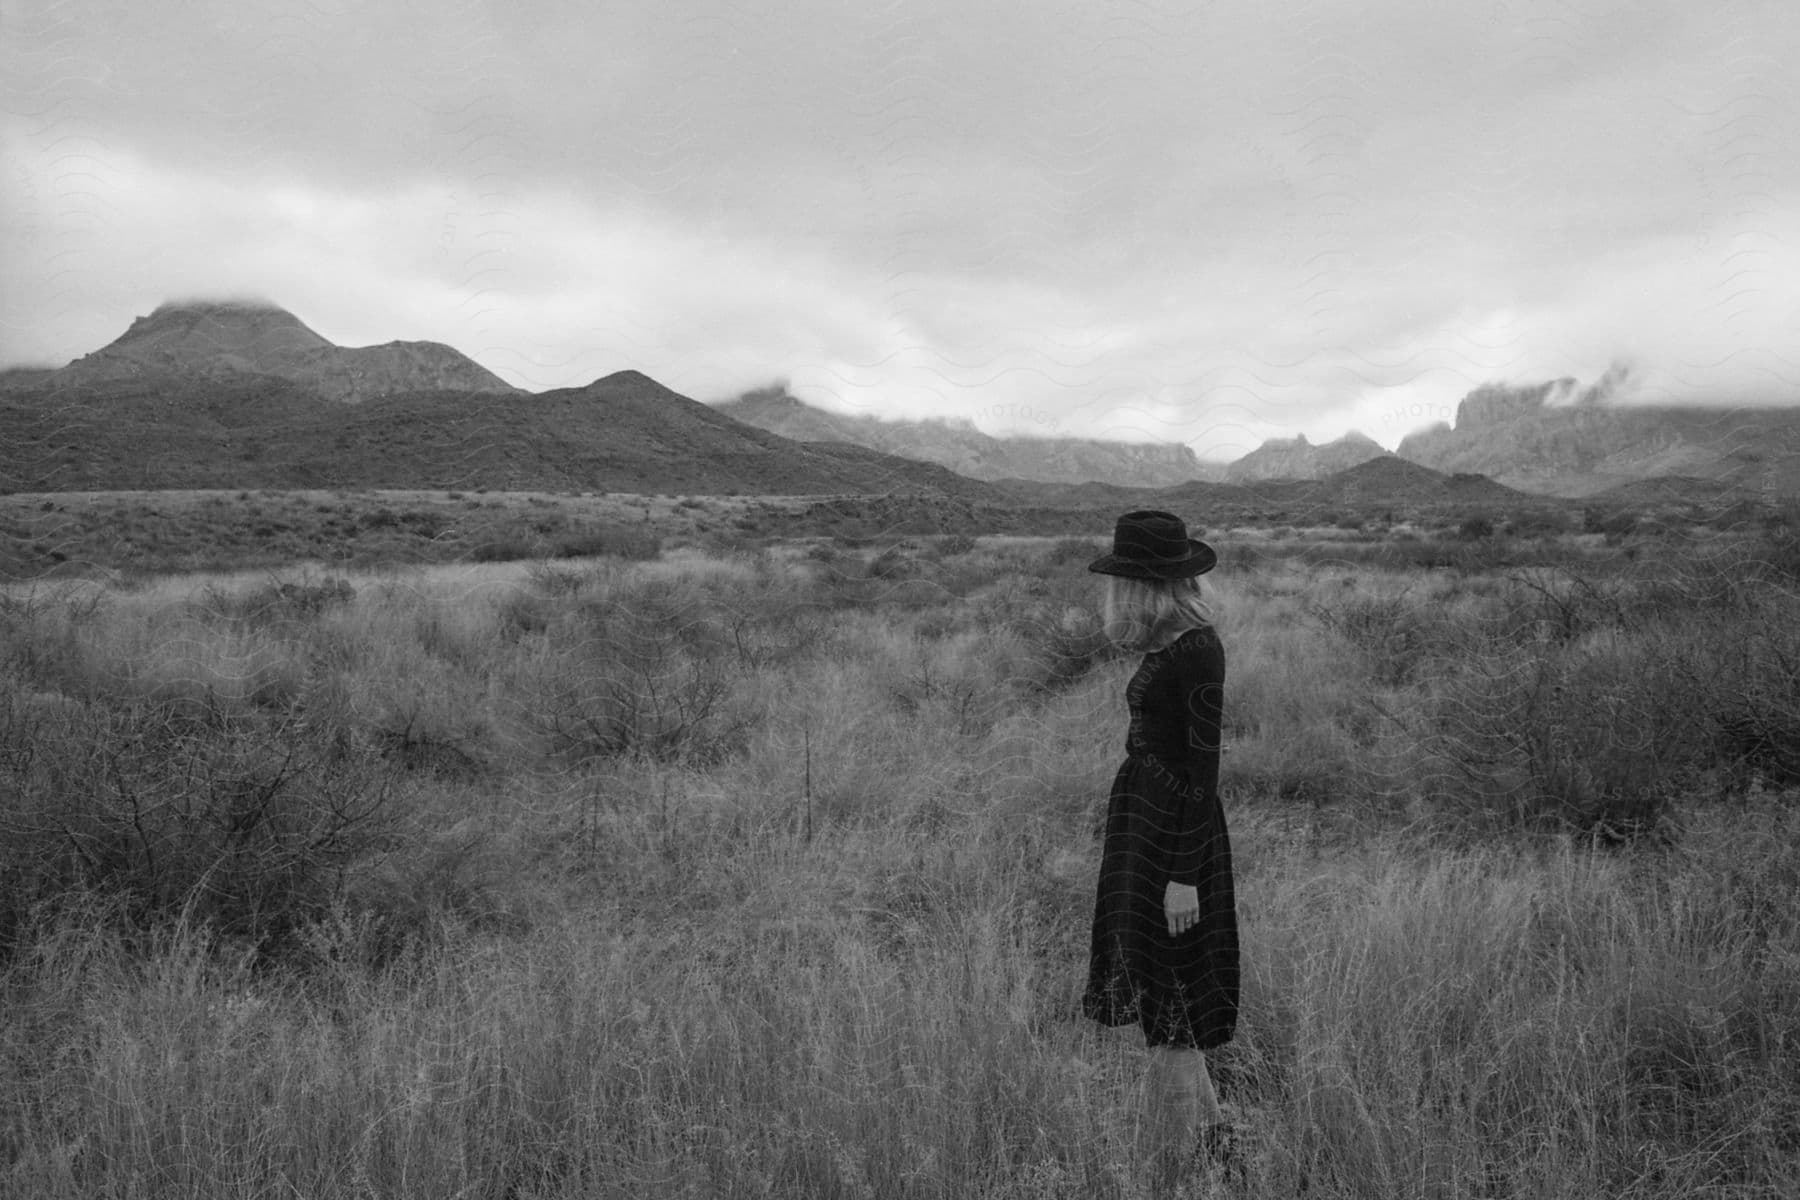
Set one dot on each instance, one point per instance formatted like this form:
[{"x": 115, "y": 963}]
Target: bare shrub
[
  {"x": 1475, "y": 528},
  {"x": 1591, "y": 736},
  {"x": 523, "y": 613},
  {"x": 1560, "y": 606},
  {"x": 895, "y": 563},
  {"x": 649, "y": 701},
  {"x": 1739, "y": 679},
  {"x": 277, "y": 600},
  {"x": 614, "y": 541},
  {"x": 1396, "y": 634},
  {"x": 244, "y": 826},
  {"x": 1076, "y": 551},
  {"x": 1070, "y": 647},
  {"x": 776, "y": 632},
  {"x": 643, "y": 672},
  {"x": 559, "y": 581}
]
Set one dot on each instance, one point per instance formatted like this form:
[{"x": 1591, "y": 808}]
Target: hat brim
[{"x": 1200, "y": 559}]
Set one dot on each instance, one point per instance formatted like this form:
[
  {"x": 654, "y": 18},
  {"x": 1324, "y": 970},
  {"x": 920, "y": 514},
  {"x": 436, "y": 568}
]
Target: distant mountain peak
[
  {"x": 192, "y": 311},
  {"x": 1495, "y": 404},
  {"x": 1355, "y": 438},
  {"x": 959, "y": 444},
  {"x": 1297, "y": 458},
  {"x": 235, "y": 336},
  {"x": 1566, "y": 438},
  {"x": 201, "y": 304},
  {"x": 772, "y": 393},
  {"x": 237, "y": 324},
  {"x": 627, "y": 377}
]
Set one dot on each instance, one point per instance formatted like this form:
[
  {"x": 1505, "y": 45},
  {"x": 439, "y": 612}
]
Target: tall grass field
[{"x": 768, "y": 874}]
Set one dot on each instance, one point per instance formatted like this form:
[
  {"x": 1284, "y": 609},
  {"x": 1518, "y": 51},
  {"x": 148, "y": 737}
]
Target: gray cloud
[{"x": 1216, "y": 223}]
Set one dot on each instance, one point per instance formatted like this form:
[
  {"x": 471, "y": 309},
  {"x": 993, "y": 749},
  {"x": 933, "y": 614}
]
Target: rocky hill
[
  {"x": 1386, "y": 481},
  {"x": 968, "y": 451},
  {"x": 1562, "y": 439},
  {"x": 227, "y": 339},
  {"x": 622, "y": 433},
  {"x": 1296, "y": 458},
  {"x": 1389, "y": 478},
  {"x": 230, "y": 393}
]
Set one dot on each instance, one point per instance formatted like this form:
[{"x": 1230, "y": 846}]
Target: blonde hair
[{"x": 1148, "y": 614}]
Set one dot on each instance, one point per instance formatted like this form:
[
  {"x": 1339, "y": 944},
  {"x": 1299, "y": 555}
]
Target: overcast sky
[{"x": 1167, "y": 220}]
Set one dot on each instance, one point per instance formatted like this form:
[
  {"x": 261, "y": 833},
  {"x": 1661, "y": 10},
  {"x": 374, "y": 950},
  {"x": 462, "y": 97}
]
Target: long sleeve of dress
[{"x": 1191, "y": 849}]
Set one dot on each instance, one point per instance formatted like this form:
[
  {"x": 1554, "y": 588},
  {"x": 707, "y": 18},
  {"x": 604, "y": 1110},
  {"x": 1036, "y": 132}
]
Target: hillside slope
[
  {"x": 1296, "y": 458},
  {"x": 622, "y": 433},
  {"x": 968, "y": 451},
  {"x": 1558, "y": 438},
  {"x": 228, "y": 339}
]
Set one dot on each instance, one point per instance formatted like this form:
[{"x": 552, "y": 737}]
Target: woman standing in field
[{"x": 1165, "y": 942}]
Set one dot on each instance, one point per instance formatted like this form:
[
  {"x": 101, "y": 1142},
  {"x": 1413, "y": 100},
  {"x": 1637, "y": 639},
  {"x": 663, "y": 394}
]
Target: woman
[{"x": 1165, "y": 943}]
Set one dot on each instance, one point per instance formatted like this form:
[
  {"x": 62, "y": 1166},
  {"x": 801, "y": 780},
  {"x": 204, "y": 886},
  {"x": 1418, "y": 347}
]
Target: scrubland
[{"x": 769, "y": 873}]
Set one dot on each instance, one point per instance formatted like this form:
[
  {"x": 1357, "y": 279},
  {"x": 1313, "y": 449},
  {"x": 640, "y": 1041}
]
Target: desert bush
[
  {"x": 659, "y": 703},
  {"x": 1077, "y": 551},
  {"x": 952, "y": 545},
  {"x": 1411, "y": 553},
  {"x": 815, "y": 877},
  {"x": 522, "y": 613},
  {"x": 1777, "y": 552},
  {"x": 777, "y": 632},
  {"x": 1739, "y": 682},
  {"x": 412, "y": 741},
  {"x": 1559, "y": 606},
  {"x": 176, "y": 654},
  {"x": 642, "y": 671},
  {"x": 1297, "y": 715},
  {"x": 277, "y": 600},
  {"x": 895, "y": 562},
  {"x": 1475, "y": 528},
  {"x": 1238, "y": 556},
  {"x": 244, "y": 826},
  {"x": 502, "y": 548},
  {"x": 1317, "y": 763},
  {"x": 1593, "y": 737},
  {"x": 1538, "y": 523},
  {"x": 619, "y": 541},
  {"x": 1071, "y": 646},
  {"x": 1397, "y": 634},
  {"x": 422, "y": 523},
  {"x": 558, "y": 581},
  {"x": 43, "y": 641},
  {"x": 948, "y": 679},
  {"x": 1614, "y": 523}
]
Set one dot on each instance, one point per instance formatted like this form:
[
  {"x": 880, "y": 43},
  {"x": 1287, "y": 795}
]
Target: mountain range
[
  {"x": 226, "y": 340},
  {"x": 1552, "y": 439},
  {"x": 622, "y": 433},
  {"x": 243, "y": 393},
  {"x": 1296, "y": 458},
  {"x": 966, "y": 450},
  {"x": 1562, "y": 439}
]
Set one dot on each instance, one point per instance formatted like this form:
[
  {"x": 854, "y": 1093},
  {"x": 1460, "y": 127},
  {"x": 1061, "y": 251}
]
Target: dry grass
[{"x": 818, "y": 927}]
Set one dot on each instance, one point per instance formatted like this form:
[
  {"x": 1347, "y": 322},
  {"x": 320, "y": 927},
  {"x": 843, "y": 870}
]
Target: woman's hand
[{"x": 1181, "y": 904}]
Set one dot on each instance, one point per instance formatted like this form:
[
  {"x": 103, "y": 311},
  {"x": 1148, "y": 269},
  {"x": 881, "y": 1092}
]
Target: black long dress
[{"x": 1164, "y": 822}]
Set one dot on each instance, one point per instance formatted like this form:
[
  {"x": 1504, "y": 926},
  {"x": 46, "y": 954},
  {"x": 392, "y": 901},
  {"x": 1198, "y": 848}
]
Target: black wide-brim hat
[{"x": 1149, "y": 544}]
